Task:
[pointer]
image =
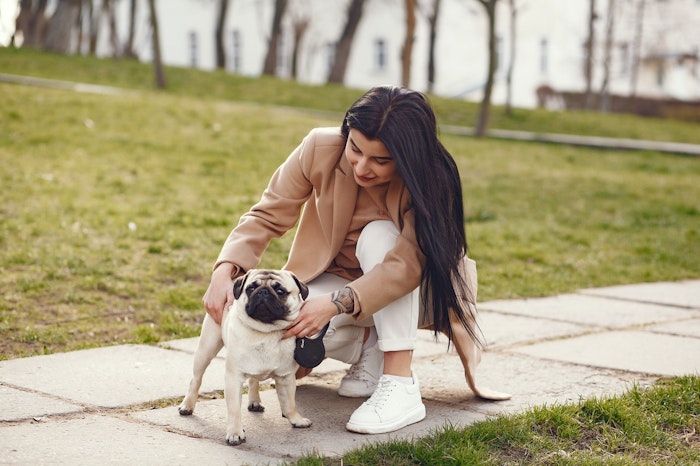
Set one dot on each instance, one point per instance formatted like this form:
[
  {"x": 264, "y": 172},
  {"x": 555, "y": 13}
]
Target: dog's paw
[
  {"x": 184, "y": 410},
  {"x": 235, "y": 439},
  {"x": 301, "y": 423},
  {"x": 256, "y": 407}
]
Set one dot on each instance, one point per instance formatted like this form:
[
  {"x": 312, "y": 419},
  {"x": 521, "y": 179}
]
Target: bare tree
[
  {"x": 589, "y": 60},
  {"x": 155, "y": 37},
  {"x": 31, "y": 23},
  {"x": 485, "y": 110},
  {"x": 129, "y": 46},
  {"x": 93, "y": 26},
  {"x": 108, "y": 11},
  {"x": 514, "y": 9},
  {"x": 219, "y": 34},
  {"x": 637, "y": 47},
  {"x": 344, "y": 44},
  {"x": 270, "y": 66},
  {"x": 607, "y": 58},
  {"x": 407, "y": 48},
  {"x": 300, "y": 25},
  {"x": 60, "y": 27},
  {"x": 432, "y": 22}
]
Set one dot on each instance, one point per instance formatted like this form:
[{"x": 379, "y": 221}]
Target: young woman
[{"x": 380, "y": 235}]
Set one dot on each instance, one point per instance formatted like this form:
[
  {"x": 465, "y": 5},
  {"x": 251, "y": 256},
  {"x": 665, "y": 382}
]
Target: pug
[{"x": 266, "y": 302}]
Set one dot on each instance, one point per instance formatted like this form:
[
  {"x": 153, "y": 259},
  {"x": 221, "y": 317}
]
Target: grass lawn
[{"x": 113, "y": 209}]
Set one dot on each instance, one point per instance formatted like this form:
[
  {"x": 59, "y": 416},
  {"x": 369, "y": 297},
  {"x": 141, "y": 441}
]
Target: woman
[{"x": 380, "y": 234}]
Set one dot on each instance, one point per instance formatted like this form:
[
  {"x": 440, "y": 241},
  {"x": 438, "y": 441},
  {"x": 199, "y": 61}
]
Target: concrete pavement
[{"x": 118, "y": 404}]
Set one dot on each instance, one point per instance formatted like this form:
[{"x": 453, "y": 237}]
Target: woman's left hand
[{"x": 313, "y": 316}]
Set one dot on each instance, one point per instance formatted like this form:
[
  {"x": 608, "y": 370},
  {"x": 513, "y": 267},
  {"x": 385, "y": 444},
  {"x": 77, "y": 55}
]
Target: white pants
[{"x": 396, "y": 324}]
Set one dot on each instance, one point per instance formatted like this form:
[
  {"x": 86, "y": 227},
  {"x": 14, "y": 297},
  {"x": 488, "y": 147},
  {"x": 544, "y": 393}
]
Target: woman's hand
[
  {"x": 313, "y": 316},
  {"x": 219, "y": 295}
]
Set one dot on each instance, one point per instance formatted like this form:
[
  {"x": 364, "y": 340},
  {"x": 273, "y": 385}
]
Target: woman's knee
[{"x": 376, "y": 240}]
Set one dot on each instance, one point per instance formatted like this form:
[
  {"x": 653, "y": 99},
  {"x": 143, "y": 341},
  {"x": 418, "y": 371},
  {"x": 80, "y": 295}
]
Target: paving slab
[
  {"x": 96, "y": 439},
  {"x": 593, "y": 311},
  {"x": 502, "y": 330},
  {"x": 636, "y": 351},
  {"x": 110, "y": 376},
  {"x": 532, "y": 382},
  {"x": 328, "y": 412},
  {"x": 20, "y": 405},
  {"x": 684, "y": 293},
  {"x": 687, "y": 328}
]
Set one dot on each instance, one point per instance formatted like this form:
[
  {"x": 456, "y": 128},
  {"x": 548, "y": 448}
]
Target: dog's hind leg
[
  {"x": 210, "y": 343},
  {"x": 254, "y": 402},
  {"x": 286, "y": 393}
]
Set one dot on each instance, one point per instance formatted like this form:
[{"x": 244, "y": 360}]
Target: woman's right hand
[{"x": 219, "y": 295}]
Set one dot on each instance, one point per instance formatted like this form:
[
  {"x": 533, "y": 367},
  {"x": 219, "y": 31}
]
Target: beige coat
[{"x": 318, "y": 177}]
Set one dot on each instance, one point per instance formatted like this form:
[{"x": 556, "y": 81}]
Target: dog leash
[{"x": 309, "y": 352}]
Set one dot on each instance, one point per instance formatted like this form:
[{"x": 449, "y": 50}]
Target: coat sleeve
[{"x": 276, "y": 213}]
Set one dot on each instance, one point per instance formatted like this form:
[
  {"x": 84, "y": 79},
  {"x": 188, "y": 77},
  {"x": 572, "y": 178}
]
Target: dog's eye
[
  {"x": 249, "y": 289},
  {"x": 280, "y": 291}
]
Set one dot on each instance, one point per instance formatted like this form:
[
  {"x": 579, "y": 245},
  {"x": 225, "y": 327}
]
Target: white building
[{"x": 549, "y": 51}]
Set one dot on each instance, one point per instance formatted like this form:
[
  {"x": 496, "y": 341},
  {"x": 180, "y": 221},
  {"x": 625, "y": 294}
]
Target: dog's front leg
[
  {"x": 210, "y": 343},
  {"x": 286, "y": 387},
  {"x": 233, "y": 392},
  {"x": 254, "y": 402}
]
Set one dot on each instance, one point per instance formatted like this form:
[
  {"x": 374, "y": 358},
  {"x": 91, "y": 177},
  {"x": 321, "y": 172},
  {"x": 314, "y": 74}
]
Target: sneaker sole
[
  {"x": 416, "y": 415},
  {"x": 352, "y": 394}
]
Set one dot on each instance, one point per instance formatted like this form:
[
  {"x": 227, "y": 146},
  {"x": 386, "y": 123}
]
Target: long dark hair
[{"x": 404, "y": 122}]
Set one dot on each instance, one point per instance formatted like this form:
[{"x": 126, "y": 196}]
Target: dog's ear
[
  {"x": 238, "y": 285},
  {"x": 303, "y": 289}
]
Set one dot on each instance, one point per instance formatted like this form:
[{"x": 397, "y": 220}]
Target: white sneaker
[
  {"x": 361, "y": 379},
  {"x": 392, "y": 406}
]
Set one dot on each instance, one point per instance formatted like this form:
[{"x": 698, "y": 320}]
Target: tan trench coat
[{"x": 318, "y": 177}]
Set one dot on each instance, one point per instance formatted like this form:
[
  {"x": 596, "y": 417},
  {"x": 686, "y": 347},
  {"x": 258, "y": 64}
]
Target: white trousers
[{"x": 396, "y": 324}]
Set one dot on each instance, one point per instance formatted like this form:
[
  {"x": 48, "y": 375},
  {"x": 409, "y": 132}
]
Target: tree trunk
[
  {"x": 129, "y": 46},
  {"x": 108, "y": 10},
  {"x": 432, "y": 21},
  {"x": 219, "y": 35},
  {"x": 31, "y": 23},
  {"x": 94, "y": 28},
  {"x": 157, "y": 61},
  {"x": 607, "y": 59},
  {"x": 407, "y": 49},
  {"x": 270, "y": 67},
  {"x": 485, "y": 110},
  {"x": 300, "y": 25},
  {"x": 590, "y": 47},
  {"x": 511, "y": 62},
  {"x": 344, "y": 44},
  {"x": 59, "y": 30},
  {"x": 637, "y": 49}
]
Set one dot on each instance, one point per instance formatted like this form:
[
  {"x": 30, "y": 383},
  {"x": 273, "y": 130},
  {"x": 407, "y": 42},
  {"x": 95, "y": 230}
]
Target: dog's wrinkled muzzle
[{"x": 264, "y": 305}]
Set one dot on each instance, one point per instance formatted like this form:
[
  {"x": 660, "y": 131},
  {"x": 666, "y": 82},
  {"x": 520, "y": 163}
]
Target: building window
[
  {"x": 544, "y": 55},
  {"x": 236, "y": 51},
  {"x": 379, "y": 55},
  {"x": 193, "y": 49}
]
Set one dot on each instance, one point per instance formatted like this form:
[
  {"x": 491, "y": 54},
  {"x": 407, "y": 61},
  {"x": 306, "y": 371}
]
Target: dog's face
[{"x": 270, "y": 295}]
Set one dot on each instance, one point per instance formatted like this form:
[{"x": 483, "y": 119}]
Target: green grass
[
  {"x": 652, "y": 426},
  {"x": 131, "y": 74},
  {"x": 114, "y": 208}
]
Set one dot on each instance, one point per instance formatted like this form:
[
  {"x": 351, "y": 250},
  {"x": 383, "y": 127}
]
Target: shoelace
[
  {"x": 358, "y": 371},
  {"x": 381, "y": 393}
]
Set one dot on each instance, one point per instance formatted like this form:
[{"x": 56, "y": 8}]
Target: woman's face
[{"x": 372, "y": 165}]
